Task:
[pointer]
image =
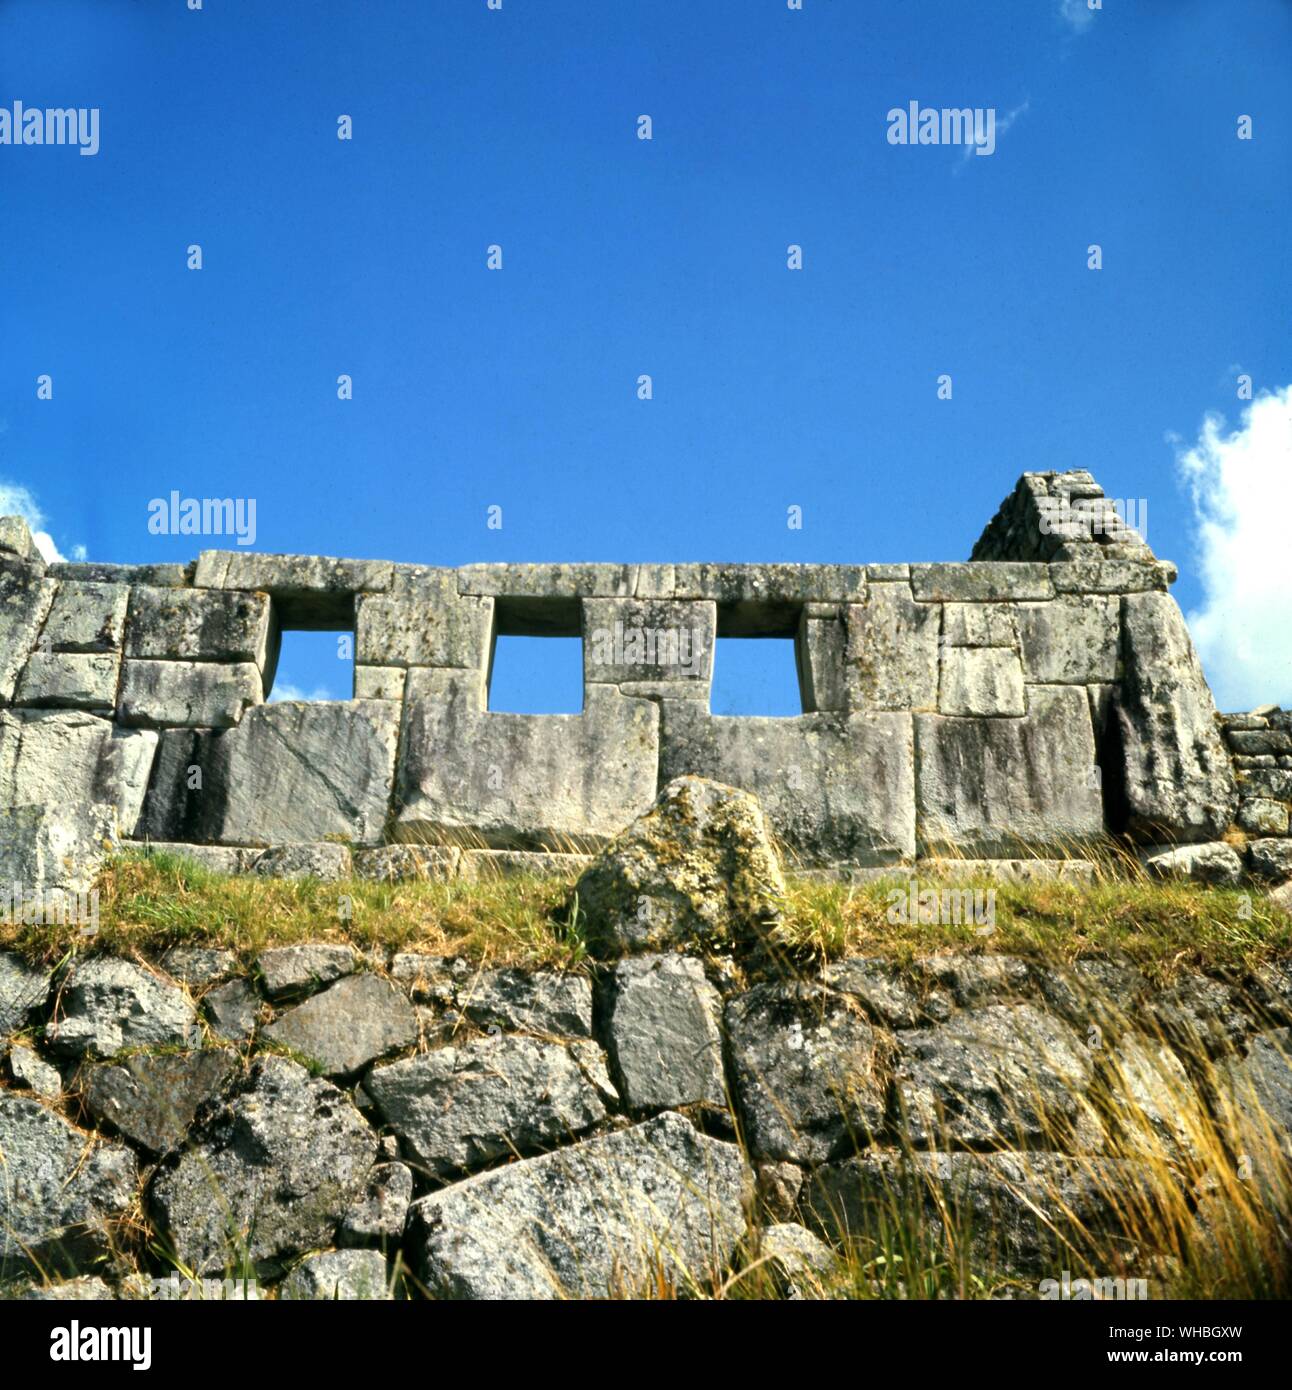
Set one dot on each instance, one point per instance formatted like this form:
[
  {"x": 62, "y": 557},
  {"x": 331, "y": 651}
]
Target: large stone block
[
  {"x": 297, "y": 771},
  {"x": 73, "y": 757},
  {"x": 16, "y": 539},
  {"x": 981, "y": 581},
  {"x": 198, "y": 625},
  {"x": 1178, "y": 780},
  {"x": 835, "y": 787},
  {"x": 422, "y": 621},
  {"x": 548, "y": 581},
  {"x": 986, "y": 681},
  {"x": 25, "y": 599},
  {"x": 892, "y": 652},
  {"x": 70, "y": 680},
  {"x": 86, "y": 617},
  {"x": 468, "y": 774},
  {"x": 187, "y": 694},
  {"x": 54, "y": 847},
  {"x": 821, "y": 650},
  {"x": 987, "y": 786},
  {"x": 635, "y": 640},
  {"x": 309, "y": 591},
  {"x": 1072, "y": 640}
]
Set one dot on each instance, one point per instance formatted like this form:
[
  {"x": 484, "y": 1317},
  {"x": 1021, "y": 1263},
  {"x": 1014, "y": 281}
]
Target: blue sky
[{"x": 518, "y": 388}]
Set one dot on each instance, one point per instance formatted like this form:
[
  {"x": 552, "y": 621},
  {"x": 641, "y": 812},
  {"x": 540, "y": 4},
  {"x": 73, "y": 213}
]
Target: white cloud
[
  {"x": 1003, "y": 123},
  {"x": 1077, "y": 14},
  {"x": 17, "y": 501},
  {"x": 285, "y": 690},
  {"x": 1241, "y": 484}
]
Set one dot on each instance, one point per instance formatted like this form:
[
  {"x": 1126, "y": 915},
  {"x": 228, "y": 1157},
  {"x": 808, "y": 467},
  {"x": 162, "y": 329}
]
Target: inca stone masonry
[{"x": 1027, "y": 701}]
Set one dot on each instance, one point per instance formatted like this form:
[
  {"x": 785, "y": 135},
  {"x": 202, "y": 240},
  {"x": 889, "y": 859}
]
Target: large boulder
[
  {"x": 458, "y": 1108},
  {"x": 61, "y": 1189},
  {"x": 1178, "y": 779},
  {"x": 617, "y": 1215},
  {"x": 698, "y": 866},
  {"x": 267, "y": 1175},
  {"x": 151, "y": 1098},
  {"x": 352, "y": 1023}
]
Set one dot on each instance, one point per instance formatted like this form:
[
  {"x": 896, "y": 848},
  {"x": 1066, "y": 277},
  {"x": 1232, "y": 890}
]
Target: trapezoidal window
[
  {"x": 313, "y": 666},
  {"x": 537, "y": 663},
  {"x": 755, "y": 675}
]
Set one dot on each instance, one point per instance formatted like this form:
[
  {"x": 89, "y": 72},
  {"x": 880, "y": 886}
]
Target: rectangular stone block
[
  {"x": 752, "y": 585},
  {"x": 980, "y": 625},
  {"x": 309, "y": 591},
  {"x": 648, "y": 640},
  {"x": 187, "y": 694},
  {"x": 836, "y": 788},
  {"x": 981, "y": 581},
  {"x": 73, "y": 757},
  {"x": 423, "y": 621},
  {"x": 1072, "y": 640},
  {"x": 821, "y": 650},
  {"x": 1098, "y": 575},
  {"x": 70, "y": 680},
  {"x": 986, "y": 681},
  {"x": 198, "y": 625},
  {"x": 892, "y": 651},
  {"x": 471, "y": 776},
  {"x": 16, "y": 539},
  {"x": 548, "y": 581},
  {"x": 86, "y": 617},
  {"x": 1272, "y": 782},
  {"x": 379, "y": 682},
  {"x": 990, "y": 787},
  {"x": 887, "y": 573},
  {"x": 95, "y": 572},
  {"x": 25, "y": 599}
]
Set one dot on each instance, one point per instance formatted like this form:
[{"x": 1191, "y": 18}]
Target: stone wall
[{"x": 1032, "y": 699}]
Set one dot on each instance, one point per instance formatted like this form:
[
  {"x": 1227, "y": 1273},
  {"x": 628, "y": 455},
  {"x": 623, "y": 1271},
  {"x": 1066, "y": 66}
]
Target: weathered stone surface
[
  {"x": 986, "y": 786},
  {"x": 974, "y": 980},
  {"x": 875, "y": 985},
  {"x": 998, "y": 1076},
  {"x": 891, "y": 658},
  {"x": 16, "y": 539},
  {"x": 422, "y": 621},
  {"x": 408, "y": 863},
  {"x": 198, "y": 625},
  {"x": 199, "y": 965},
  {"x": 308, "y": 590},
  {"x": 807, "y": 1071},
  {"x": 1257, "y": 1107},
  {"x": 32, "y": 1072},
  {"x": 519, "y": 1001},
  {"x": 270, "y": 1172},
  {"x": 1272, "y": 783},
  {"x": 663, "y": 1027},
  {"x": 379, "y": 682},
  {"x": 985, "y": 681},
  {"x": 378, "y": 1217},
  {"x": 1271, "y": 859},
  {"x": 187, "y": 694},
  {"x": 298, "y": 969},
  {"x": 1179, "y": 783},
  {"x": 834, "y": 788},
  {"x": 345, "y": 1276},
  {"x": 1072, "y": 640},
  {"x": 86, "y": 1289},
  {"x": 52, "y": 852},
  {"x": 86, "y": 617},
  {"x": 458, "y": 1108},
  {"x": 777, "y": 1188},
  {"x": 69, "y": 680},
  {"x": 982, "y": 581},
  {"x": 324, "y": 860},
  {"x": 548, "y": 581},
  {"x": 73, "y": 757},
  {"x": 348, "y": 1025},
  {"x": 612, "y": 1215},
  {"x": 25, "y": 599},
  {"x": 61, "y": 1189},
  {"x": 23, "y": 990},
  {"x": 216, "y": 859},
  {"x": 697, "y": 866},
  {"x": 1012, "y": 1204},
  {"x": 151, "y": 1098},
  {"x": 1260, "y": 816},
  {"x": 485, "y": 864},
  {"x": 106, "y": 1004},
  {"x": 799, "y": 1262},
  {"x": 233, "y": 1009},
  {"x": 980, "y": 625},
  {"x": 1216, "y": 863},
  {"x": 519, "y": 779},
  {"x": 97, "y": 572},
  {"x": 630, "y": 640},
  {"x": 1199, "y": 1013},
  {"x": 1111, "y": 576},
  {"x": 1154, "y": 1104}
]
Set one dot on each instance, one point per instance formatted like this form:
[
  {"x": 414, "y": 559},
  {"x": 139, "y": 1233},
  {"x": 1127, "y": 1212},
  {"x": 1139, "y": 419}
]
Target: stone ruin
[{"x": 1026, "y": 702}]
